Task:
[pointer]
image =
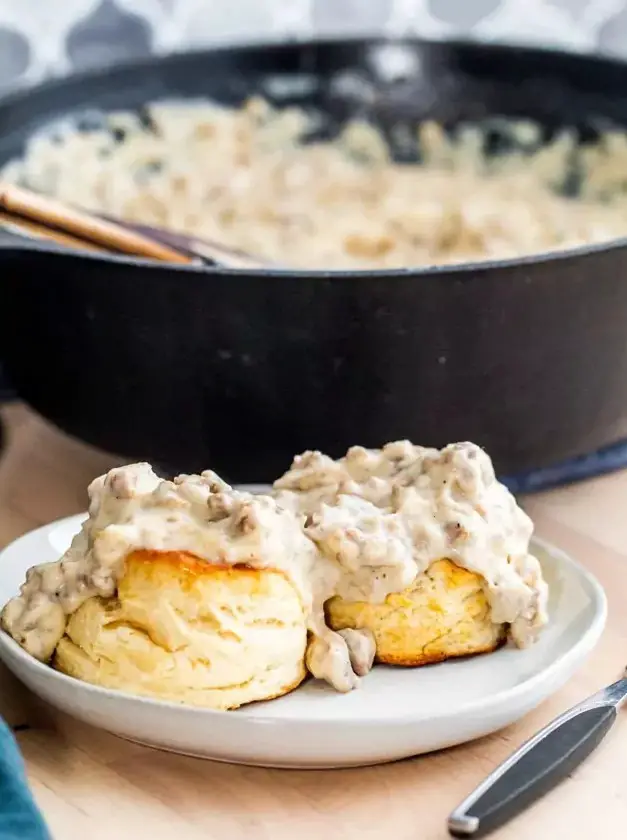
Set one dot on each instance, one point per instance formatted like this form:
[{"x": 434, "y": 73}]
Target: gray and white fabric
[{"x": 40, "y": 38}]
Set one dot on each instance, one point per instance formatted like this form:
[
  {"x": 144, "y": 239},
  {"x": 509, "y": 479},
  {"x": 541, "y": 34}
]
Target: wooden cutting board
[{"x": 90, "y": 784}]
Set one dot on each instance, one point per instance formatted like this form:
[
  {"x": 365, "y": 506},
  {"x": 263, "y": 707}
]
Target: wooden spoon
[{"x": 43, "y": 217}]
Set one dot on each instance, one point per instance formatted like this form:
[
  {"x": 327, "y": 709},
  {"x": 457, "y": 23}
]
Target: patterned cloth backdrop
[{"x": 39, "y": 38}]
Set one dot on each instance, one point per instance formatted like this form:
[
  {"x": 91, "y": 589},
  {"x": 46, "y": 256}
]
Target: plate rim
[{"x": 9, "y": 649}]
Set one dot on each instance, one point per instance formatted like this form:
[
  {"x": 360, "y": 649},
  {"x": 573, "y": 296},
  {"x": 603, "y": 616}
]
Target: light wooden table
[{"x": 90, "y": 784}]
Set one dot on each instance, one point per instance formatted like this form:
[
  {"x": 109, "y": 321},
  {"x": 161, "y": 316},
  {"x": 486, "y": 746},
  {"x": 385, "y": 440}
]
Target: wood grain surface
[{"x": 90, "y": 784}]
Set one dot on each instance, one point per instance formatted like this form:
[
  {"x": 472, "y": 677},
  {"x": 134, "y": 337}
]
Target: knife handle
[{"x": 533, "y": 770}]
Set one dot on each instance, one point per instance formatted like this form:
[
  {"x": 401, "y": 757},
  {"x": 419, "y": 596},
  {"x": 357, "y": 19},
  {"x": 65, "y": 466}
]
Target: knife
[{"x": 541, "y": 762}]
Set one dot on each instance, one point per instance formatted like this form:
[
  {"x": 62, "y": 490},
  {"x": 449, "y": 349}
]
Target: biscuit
[
  {"x": 444, "y": 614},
  {"x": 184, "y": 630}
]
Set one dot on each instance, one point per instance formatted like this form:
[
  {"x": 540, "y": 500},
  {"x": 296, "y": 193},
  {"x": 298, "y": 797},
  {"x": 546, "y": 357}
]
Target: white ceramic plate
[{"x": 396, "y": 713}]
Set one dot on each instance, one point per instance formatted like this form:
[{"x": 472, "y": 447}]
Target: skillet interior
[
  {"x": 384, "y": 81},
  {"x": 371, "y": 355}
]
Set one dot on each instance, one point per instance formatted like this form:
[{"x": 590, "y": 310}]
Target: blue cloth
[
  {"x": 19, "y": 816},
  {"x": 603, "y": 461}
]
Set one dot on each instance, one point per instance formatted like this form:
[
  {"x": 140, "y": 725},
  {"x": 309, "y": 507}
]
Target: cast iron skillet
[{"x": 205, "y": 368}]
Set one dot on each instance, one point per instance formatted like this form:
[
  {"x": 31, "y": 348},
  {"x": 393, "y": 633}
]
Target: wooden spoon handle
[
  {"x": 211, "y": 251},
  {"x": 109, "y": 235},
  {"x": 26, "y": 227}
]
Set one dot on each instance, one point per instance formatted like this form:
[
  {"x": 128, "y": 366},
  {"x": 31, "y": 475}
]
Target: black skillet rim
[{"x": 458, "y": 271}]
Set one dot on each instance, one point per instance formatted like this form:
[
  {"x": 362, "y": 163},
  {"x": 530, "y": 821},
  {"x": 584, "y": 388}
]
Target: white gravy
[{"x": 361, "y": 527}]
